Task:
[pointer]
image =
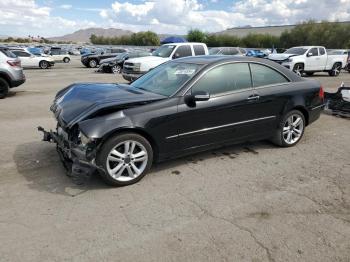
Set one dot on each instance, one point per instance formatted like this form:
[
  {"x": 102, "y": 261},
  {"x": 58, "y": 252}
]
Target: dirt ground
[{"x": 248, "y": 202}]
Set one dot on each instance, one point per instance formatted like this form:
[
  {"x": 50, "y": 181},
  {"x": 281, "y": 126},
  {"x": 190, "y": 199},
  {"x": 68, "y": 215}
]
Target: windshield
[
  {"x": 296, "y": 51},
  {"x": 164, "y": 51},
  {"x": 214, "y": 51},
  {"x": 167, "y": 78}
]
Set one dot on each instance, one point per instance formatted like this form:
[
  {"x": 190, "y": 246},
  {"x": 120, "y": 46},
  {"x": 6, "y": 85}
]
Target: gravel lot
[{"x": 249, "y": 202}]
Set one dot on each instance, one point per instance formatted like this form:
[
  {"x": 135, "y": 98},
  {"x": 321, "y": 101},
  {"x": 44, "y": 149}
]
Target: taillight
[
  {"x": 14, "y": 63},
  {"x": 321, "y": 93}
]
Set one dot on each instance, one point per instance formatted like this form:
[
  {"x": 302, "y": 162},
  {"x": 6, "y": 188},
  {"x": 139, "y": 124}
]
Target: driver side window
[
  {"x": 314, "y": 51},
  {"x": 225, "y": 78},
  {"x": 183, "y": 51}
]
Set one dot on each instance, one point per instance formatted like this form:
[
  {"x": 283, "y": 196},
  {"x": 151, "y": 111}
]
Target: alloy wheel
[
  {"x": 127, "y": 161},
  {"x": 116, "y": 69},
  {"x": 299, "y": 70},
  {"x": 336, "y": 70},
  {"x": 92, "y": 63},
  {"x": 293, "y": 129}
]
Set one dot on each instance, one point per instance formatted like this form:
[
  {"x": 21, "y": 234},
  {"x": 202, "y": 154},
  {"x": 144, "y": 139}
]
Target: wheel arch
[
  {"x": 135, "y": 130},
  {"x": 6, "y": 78},
  {"x": 304, "y": 111}
]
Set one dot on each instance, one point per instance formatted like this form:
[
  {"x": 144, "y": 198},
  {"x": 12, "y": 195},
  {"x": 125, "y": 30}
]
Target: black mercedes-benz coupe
[{"x": 180, "y": 107}]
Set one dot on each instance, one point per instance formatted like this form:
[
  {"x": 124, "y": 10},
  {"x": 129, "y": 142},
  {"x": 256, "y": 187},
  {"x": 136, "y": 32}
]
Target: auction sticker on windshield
[{"x": 185, "y": 71}]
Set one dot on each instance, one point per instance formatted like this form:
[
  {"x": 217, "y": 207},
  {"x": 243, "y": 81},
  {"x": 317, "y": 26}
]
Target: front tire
[
  {"x": 66, "y": 60},
  {"x": 116, "y": 69},
  {"x": 298, "y": 69},
  {"x": 125, "y": 158},
  {"x": 92, "y": 63},
  {"x": 4, "y": 88},
  {"x": 44, "y": 65},
  {"x": 290, "y": 130}
]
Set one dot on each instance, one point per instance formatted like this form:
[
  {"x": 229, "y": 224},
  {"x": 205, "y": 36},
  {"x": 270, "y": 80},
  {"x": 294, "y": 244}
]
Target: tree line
[
  {"x": 138, "y": 39},
  {"x": 25, "y": 40},
  {"x": 328, "y": 34}
]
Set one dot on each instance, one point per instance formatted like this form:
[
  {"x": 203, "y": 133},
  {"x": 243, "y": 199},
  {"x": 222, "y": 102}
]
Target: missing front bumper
[{"x": 73, "y": 157}]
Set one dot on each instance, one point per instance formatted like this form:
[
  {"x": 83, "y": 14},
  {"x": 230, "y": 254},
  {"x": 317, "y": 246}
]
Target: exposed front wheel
[
  {"x": 4, "y": 88},
  {"x": 66, "y": 60},
  {"x": 335, "y": 70},
  {"x": 126, "y": 158},
  {"x": 291, "y": 129},
  {"x": 299, "y": 69},
  {"x": 44, "y": 65},
  {"x": 116, "y": 69}
]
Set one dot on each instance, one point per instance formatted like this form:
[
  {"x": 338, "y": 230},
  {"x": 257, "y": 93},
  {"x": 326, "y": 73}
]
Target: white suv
[{"x": 134, "y": 68}]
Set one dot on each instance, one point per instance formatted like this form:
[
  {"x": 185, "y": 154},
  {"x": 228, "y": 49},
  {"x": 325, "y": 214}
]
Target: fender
[{"x": 99, "y": 127}]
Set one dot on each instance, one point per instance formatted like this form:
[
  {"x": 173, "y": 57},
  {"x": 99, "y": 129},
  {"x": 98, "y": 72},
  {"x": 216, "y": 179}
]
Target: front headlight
[
  {"x": 84, "y": 139},
  {"x": 289, "y": 60},
  {"x": 137, "y": 66}
]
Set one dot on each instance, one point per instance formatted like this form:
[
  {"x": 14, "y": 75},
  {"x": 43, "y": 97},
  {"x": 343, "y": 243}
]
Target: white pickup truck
[
  {"x": 310, "y": 59},
  {"x": 136, "y": 67}
]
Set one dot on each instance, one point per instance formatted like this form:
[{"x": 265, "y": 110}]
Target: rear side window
[
  {"x": 21, "y": 54},
  {"x": 8, "y": 53},
  {"x": 322, "y": 51},
  {"x": 183, "y": 51},
  {"x": 198, "y": 50},
  {"x": 242, "y": 51},
  {"x": 263, "y": 75},
  {"x": 225, "y": 78},
  {"x": 230, "y": 51}
]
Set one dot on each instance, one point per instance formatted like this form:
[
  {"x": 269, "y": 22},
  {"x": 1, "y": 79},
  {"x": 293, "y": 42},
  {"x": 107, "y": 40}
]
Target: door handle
[{"x": 253, "y": 98}]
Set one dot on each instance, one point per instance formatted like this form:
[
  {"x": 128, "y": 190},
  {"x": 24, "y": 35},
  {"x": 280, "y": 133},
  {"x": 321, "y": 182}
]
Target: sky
[{"x": 58, "y": 17}]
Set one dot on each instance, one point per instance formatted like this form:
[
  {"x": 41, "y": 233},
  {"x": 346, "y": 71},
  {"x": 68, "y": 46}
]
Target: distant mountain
[{"x": 83, "y": 35}]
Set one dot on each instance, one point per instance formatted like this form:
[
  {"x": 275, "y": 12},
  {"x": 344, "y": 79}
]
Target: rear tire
[
  {"x": 335, "y": 71},
  {"x": 66, "y": 60},
  {"x": 4, "y": 88},
  {"x": 125, "y": 165},
  {"x": 290, "y": 130},
  {"x": 44, "y": 65}
]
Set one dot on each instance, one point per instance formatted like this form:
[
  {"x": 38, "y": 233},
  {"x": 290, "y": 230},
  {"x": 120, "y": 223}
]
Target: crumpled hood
[
  {"x": 279, "y": 57},
  {"x": 79, "y": 101}
]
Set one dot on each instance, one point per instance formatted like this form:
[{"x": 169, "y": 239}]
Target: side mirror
[
  {"x": 176, "y": 55},
  {"x": 191, "y": 99},
  {"x": 201, "y": 96},
  {"x": 309, "y": 54}
]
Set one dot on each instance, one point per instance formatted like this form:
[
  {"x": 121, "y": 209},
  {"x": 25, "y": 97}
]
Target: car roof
[{"x": 186, "y": 43}]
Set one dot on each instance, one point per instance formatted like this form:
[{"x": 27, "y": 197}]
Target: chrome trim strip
[
  {"x": 222, "y": 126},
  {"x": 316, "y": 107}
]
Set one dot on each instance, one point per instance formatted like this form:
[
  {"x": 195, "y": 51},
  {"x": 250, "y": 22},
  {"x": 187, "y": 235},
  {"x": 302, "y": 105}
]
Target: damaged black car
[{"x": 180, "y": 107}]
